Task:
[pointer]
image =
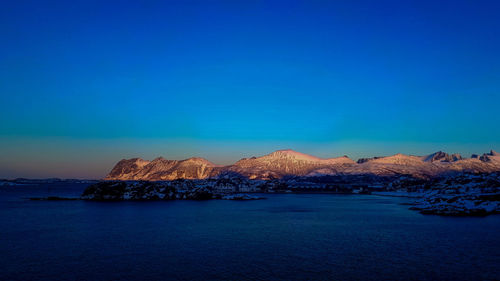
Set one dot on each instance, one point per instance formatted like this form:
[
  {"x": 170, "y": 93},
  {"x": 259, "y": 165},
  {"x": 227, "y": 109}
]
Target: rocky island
[
  {"x": 464, "y": 194},
  {"x": 445, "y": 184},
  {"x": 164, "y": 190}
]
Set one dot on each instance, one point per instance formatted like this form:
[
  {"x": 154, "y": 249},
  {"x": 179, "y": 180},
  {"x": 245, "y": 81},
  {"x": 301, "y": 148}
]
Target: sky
[{"x": 84, "y": 84}]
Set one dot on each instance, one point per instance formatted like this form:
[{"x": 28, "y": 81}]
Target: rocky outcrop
[
  {"x": 493, "y": 153},
  {"x": 441, "y": 156},
  {"x": 364, "y": 160},
  {"x": 492, "y": 156}
]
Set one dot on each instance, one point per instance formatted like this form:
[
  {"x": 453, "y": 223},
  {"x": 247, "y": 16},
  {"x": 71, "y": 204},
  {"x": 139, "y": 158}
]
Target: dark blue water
[{"x": 287, "y": 236}]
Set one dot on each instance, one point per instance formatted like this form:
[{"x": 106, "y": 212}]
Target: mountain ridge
[{"x": 287, "y": 162}]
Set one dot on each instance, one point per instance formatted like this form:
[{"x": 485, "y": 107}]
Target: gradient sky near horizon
[{"x": 86, "y": 83}]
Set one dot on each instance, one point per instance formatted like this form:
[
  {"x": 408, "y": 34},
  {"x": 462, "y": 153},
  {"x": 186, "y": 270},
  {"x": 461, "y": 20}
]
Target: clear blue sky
[{"x": 86, "y": 83}]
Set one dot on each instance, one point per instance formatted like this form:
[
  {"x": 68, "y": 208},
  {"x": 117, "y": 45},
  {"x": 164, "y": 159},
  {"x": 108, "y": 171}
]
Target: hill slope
[{"x": 291, "y": 163}]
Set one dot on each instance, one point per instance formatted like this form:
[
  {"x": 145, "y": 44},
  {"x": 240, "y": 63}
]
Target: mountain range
[{"x": 287, "y": 162}]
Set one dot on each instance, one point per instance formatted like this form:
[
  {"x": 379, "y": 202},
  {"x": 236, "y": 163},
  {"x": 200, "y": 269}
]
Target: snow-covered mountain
[
  {"x": 162, "y": 169},
  {"x": 287, "y": 162},
  {"x": 424, "y": 166},
  {"x": 291, "y": 163}
]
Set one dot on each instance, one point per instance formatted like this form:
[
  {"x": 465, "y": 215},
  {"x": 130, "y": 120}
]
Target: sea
[{"x": 283, "y": 237}]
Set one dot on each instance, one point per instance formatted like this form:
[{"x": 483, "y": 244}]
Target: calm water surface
[{"x": 286, "y": 237}]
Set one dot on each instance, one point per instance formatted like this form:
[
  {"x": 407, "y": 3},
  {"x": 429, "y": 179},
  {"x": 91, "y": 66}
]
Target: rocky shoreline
[
  {"x": 144, "y": 190},
  {"x": 460, "y": 205},
  {"x": 464, "y": 194},
  {"x": 459, "y": 194}
]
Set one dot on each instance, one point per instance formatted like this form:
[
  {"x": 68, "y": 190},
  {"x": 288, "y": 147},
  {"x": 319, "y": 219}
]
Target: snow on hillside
[{"x": 288, "y": 162}]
